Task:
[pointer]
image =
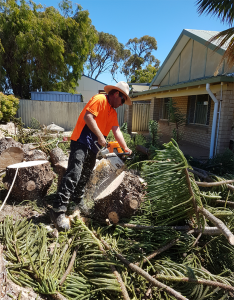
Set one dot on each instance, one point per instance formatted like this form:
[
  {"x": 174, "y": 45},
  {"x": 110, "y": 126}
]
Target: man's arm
[
  {"x": 89, "y": 119},
  {"x": 120, "y": 139}
]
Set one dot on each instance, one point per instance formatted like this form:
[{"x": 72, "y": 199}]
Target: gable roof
[
  {"x": 201, "y": 36},
  {"x": 94, "y": 79}
]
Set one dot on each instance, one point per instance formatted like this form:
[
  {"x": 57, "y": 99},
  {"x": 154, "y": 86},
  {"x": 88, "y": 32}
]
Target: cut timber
[
  {"x": 31, "y": 154},
  {"x": 11, "y": 156},
  {"x": 60, "y": 169},
  {"x": 57, "y": 155},
  {"x": 60, "y": 162},
  {"x": 32, "y": 182},
  {"x": 222, "y": 227},
  {"x": 120, "y": 199}
]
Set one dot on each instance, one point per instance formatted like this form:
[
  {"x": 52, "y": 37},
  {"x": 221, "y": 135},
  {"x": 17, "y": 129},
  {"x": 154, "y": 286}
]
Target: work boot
[{"x": 61, "y": 222}]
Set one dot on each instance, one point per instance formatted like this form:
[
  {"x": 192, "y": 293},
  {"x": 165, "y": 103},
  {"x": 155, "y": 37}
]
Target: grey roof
[{"x": 201, "y": 36}]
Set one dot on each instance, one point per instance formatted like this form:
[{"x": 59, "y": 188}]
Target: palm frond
[{"x": 223, "y": 9}]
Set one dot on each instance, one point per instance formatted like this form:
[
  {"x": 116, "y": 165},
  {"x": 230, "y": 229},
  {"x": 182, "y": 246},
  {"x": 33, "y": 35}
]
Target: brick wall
[
  {"x": 226, "y": 119},
  {"x": 196, "y": 134}
]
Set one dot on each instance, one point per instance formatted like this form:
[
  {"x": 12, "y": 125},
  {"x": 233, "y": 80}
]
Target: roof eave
[{"x": 186, "y": 84}]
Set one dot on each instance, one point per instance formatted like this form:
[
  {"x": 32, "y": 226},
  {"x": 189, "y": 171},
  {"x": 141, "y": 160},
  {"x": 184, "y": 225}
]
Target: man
[{"x": 94, "y": 124}]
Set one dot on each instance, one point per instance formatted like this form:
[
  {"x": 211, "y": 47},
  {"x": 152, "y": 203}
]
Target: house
[
  {"x": 89, "y": 87},
  {"x": 187, "y": 76}
]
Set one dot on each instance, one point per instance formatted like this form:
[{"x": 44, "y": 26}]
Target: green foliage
[
  {"x": 178, "y": 118},
  {"x": 40, "y": 48},
  {"x": 124, "y": 127},
  {"x": 144, "y": 75},
  {"x": 8, "y": 107},
  {"x": 35, "y": 124},
  {"x": 105, "y": 56},
  {"x": 139, "y": 55},
  {"x": 153, "y": 131}
]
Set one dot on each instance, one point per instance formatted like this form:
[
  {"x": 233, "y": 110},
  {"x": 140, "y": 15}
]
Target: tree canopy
[
  {"x": 144, "y": 75},
  {"x": 41, "y": 49},
  {"x": 105, "y": 56},
  {"x": 140, "y": 55},
  {"x": 224, "y": 9}
]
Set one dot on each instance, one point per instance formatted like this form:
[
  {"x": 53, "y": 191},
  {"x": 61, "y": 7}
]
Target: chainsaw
[{"x": 112, "y": 166}]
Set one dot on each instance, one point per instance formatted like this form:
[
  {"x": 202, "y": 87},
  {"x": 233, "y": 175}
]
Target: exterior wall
[
  {"x": 89, "y": 87},
  {"x": 154, "y": 109},
  {"x": 226, "y": 119},
  {"x": 196, "y": 134}
]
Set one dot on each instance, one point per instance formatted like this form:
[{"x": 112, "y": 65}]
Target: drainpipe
[
  {"x": 212, "y": 140},
  {"x": 220, "y": 107}
]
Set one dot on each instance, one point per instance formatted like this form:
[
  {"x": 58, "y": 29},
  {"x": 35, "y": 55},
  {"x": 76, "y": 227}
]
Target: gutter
[{"x": 216, "y": 102}]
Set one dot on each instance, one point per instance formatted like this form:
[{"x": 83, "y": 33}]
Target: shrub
[{"x": 8, "y": 107}]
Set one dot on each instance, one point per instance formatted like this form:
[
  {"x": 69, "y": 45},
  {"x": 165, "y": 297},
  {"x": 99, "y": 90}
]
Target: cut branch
[
  {"x": 223, "y": 228},
  {"x": 69, "y": 268},
  {"x": 144, "y": 274},
  {"x": 217, "y": 183},
  {"x": 191, "y": 193},
  {"x": 142, "y": 227},
  {"x": 196, "y": 281},
  {"x": 158, "y": 251}
]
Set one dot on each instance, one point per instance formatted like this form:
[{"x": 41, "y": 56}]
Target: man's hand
[
  {"x": 127, "y": 150},
  {"x": 102, "y": 141}
]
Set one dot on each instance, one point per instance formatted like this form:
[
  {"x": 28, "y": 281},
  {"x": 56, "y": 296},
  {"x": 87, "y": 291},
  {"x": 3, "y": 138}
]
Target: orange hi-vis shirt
[{"x": 105, "y": 114}]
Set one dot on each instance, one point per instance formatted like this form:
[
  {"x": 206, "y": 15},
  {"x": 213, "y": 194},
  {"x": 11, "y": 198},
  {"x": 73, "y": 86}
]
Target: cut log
[
  {"x": 57, "y": 155},
  {"x": 11, "y": 156},
  {"x": 31, "y": 154},
  {"x": 31, "y": 182},
  {"x": 60, "y": 162},
  {"x": 119, "y": 199},
  {"x": 60, "y": 169}
]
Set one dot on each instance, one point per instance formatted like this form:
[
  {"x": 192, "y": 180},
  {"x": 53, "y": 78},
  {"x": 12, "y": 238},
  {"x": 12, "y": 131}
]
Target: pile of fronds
[{"x": 178, "y": 246}]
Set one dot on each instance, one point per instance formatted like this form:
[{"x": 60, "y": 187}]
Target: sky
[{"x": 162, "y": 19}]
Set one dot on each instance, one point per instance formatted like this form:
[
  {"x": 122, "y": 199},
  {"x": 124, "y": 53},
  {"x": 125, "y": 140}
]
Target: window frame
[{"x": 192, "y": 109}]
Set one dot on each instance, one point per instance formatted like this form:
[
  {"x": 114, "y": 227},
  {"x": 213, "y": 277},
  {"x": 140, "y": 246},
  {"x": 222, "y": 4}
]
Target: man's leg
[
  {"x": 78, "y": 155},
  {"x": 88, "y": 167}
]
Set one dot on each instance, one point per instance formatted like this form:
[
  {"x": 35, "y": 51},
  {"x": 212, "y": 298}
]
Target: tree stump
[
  {"x": 119, "y": 199},
  {"x": 31, "y": 182}
]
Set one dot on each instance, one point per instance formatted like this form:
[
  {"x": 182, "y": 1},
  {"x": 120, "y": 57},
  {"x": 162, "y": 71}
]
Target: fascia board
[{"x": 187, "y": 84}]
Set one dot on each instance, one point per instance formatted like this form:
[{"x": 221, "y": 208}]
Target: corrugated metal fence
[
  {"x": 64, "y": 114},
  {"x": 140, "y": 116}
]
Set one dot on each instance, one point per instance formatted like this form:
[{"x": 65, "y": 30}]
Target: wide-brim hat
[{"x": 121, "y": 86}]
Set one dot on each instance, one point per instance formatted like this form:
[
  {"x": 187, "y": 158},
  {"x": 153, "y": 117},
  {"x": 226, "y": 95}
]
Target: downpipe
[
  {"x": 220, "y": 107},
  {"x": 213, "y": 131}
]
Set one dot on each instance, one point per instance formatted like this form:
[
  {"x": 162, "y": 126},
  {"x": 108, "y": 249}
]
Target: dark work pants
[{"x": 80, "y": 166}]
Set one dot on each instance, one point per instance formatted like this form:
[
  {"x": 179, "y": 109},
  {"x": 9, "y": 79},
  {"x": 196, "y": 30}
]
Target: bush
[{"x": 8, "y": 107}]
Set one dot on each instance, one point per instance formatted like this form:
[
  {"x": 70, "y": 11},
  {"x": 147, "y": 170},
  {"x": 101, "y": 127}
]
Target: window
[
  {"x": 199, "y": 109},
  {"x": 165, "y": 108}
]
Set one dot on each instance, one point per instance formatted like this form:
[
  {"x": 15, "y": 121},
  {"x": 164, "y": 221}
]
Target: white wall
[{"x": 88, "y": 87}]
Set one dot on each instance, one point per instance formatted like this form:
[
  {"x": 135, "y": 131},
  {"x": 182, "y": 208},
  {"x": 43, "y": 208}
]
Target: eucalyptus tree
[
  {"x": 42, "y": 49},
  {"x": 223, "y": 9},
  {"x": 105, "y": 56},
  {"x": 140, "y": 55}
]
